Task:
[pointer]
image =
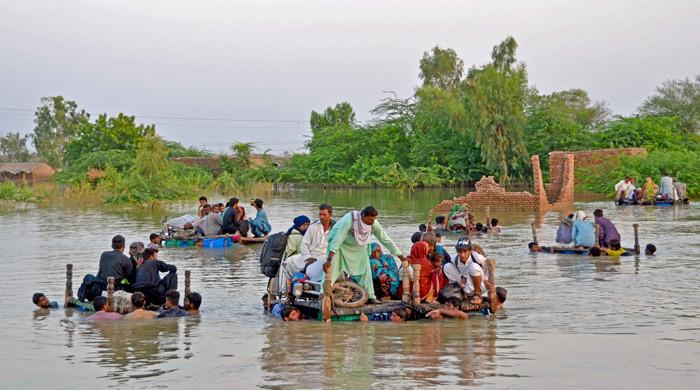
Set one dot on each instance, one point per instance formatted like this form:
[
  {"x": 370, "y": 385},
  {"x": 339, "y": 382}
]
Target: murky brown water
[{"x": 570, "y": 322}]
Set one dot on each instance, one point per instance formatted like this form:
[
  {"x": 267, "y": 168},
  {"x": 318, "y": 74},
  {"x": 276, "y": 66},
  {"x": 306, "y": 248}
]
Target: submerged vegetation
[{"x": 459, "y": 125}]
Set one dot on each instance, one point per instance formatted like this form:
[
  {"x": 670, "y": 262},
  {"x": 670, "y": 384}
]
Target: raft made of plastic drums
[{"x": 220, "y": 242}]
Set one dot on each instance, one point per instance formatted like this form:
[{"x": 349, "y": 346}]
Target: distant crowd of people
[{"x": 668, "y": 190}]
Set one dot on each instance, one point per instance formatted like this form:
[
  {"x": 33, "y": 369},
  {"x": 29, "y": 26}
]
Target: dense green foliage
[
  {"x": 680, "y": 98},
  {"x": 56, "y": 123}
]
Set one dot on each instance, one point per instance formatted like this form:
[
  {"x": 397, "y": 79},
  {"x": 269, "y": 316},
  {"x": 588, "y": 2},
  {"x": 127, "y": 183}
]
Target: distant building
[{"x": 25, "y": 172}]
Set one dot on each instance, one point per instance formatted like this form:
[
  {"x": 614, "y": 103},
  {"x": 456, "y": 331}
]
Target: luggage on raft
[{"x": 272, "y": 253}]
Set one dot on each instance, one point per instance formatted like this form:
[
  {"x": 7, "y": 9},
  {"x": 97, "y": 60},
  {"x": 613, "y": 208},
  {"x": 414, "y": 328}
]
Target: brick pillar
[{"x": 538, "y": 184}]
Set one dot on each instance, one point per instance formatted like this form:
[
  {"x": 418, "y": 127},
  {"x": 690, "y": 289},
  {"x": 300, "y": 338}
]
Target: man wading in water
[{"x": 348, "y": 247}]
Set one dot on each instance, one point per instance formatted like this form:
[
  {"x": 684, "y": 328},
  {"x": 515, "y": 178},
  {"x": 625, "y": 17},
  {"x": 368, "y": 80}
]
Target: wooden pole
[
  {"x": 491, "y": 265},
  {"x": 488, "y": 217},
  {"x": 186, "y": 301},
  {"x": 69, "y": 284},
  {"x": 406, "y": 295},
  {"x": 597, "y": 235},
  {"x": 534, "y": 233},
  {"x": 110, "y": 293},
  {"x": 636, "y": 238},
  {"x": 416, "y": 284},
  {"x": 327, "y": 291}
]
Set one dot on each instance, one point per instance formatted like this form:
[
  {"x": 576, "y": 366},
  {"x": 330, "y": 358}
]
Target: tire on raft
[{"x": 349, "y": 295}]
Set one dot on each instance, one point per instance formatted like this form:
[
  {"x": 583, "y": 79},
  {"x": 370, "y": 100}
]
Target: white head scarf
[
  {"x": 360, "y": 230},
  {"x": 579, "y": 216}
]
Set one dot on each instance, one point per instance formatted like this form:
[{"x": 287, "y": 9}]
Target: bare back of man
[{"x": 141, "y": 314}]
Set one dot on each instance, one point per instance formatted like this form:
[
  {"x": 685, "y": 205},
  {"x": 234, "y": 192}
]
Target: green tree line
[{"x": 462, "y": 123}]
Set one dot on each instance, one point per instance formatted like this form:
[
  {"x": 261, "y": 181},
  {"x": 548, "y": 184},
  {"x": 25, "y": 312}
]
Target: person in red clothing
[{"x": 419, "y": 253}]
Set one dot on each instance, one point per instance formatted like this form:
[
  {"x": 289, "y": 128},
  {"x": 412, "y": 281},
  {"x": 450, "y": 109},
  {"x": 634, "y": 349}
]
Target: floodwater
[{"x": 569, "y": 322}]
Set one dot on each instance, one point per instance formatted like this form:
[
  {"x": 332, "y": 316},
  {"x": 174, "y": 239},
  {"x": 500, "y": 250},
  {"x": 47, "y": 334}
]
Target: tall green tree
[
  {"x": 13, "y": 148},
  {"x": 341, "y": 114},
  {"x": 578, "y": 106},
  {"x": 107, "y": 133},
  {"x": 679, "y": 98},
  {"x": 495, "y": 96},
  {"x": 441, "y": 68},
  {"x": 56, "y": 123}
]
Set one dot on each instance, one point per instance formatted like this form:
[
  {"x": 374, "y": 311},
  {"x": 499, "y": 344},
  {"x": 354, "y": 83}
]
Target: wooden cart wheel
[{"x": 349, "y": 295}]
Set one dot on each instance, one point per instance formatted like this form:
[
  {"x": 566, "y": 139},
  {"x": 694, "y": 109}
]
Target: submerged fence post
[
  {"x": 416, "y": 284},
  {"x": 406, "y": 287},
  {"x": 534, "y": 233},
  {"x": 491, "y": 265},
  {"x": 597, "y": 235},
  {"x": 186, "y": 301},
  {"x": 69, "y": 284},
  {"x": 110, "y": 293},
  {"x": 636, "y": 238},
  {"x": 488, "y": 217}
]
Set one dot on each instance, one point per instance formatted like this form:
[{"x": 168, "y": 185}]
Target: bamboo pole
[
  {"x": 597, "y": 235},
  {"x": 406, "y": 295},
  {"x": 416, "y": 284},
  {"x": 69, "y": 284},
  {"x": 534, "y": 233},
  {"x": 491, "y": 265},
  {"x": 327, "y": 291},
  {"x": 636, "y": 238},
  {"x": 186, "y": 301},
  {"x": 110, "y": 293}
]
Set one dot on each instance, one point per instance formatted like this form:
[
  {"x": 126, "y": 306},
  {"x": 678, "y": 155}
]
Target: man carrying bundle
[{"x": 348, "y": 247}]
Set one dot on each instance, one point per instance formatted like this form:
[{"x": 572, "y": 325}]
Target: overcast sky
[{"x": 272, "y": 62}]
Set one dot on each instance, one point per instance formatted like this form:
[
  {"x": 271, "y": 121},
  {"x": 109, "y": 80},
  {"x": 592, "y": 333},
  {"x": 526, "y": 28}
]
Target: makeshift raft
[
  {"x": 656, "y": 203},
  {"x": 212, "y": 242},
  {"x": 314, "y": 309},
  {"x": 324, "y": 309},
  {"x": 564, "y": 250}
]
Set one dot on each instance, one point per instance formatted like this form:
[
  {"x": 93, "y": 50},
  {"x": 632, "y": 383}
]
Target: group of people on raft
[
  {"x": 230, "y": 218},
  {"x": 459, "y": 220},
  {"x": 344, "y": 248},
  {"x": 136, "y": 280},
  {"x": 668, "y": 190},
  {"x": 578, "y": 231}
]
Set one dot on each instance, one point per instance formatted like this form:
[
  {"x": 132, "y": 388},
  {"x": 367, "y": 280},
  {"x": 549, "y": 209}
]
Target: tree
[
  {"x": 679, "y": 98},
  {"x": 107, "y": 133},
  {"x": 578, "y": 106},
  {"x": 441, "y": 68},
  {"x": 341, "y": 114},
  {"x": 495, "y": 96},
  {"x": 56, "y": 123},
  {"x": 242, "y": 151},
  {"x": 13, "y": 147}
]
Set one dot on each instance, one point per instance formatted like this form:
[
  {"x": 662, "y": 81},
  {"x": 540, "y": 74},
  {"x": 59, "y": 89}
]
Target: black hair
[
  {"x": 204, "y": 198},
  {"x": 152, "y": 236},
  {"x": 531, "y": 244},
  {"x": 326, "y": 206},
  {"x": 479, "y": 227},
  {"x": 438, "y": 234},
  {"x": 173, "y": 296},
  {"x": 594, "y": 251},
  {"x": 99, "y": 303},
  {"x": 440, "y": 219},
  {"x": 148, "y": 252},
  {"x": 454, "y": 301},
  {"x": 598, "y": 213},
  {"x": 287, "y": 311},
  {"x": 369, "y": 211},
  {"x": 571, "y": 215},
  {"x": 258, "y": 203},
  {"x": 494, "y": 222},
  {"x": 422, "y": 228},
  {"x": 615, "y": 244},
  {"x": 118, "y": 241},
  {"x": 650, "y": 249},
  {"x": 231, "y": 202},
  {"x": 502, "y": 293},
  {"x": 195, "y": 299},
  {"x": 138, "y": 300},
  {"x": 401, "y": 312},
  {"x": 38, "y": 295},
  {"x": 416, "y": 237}
]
